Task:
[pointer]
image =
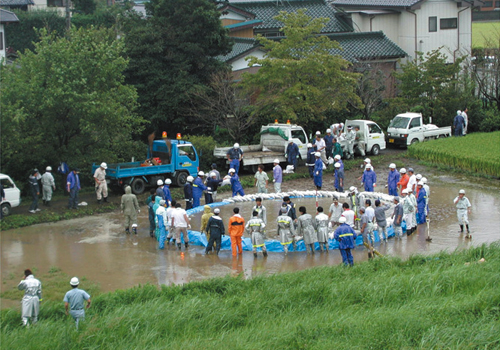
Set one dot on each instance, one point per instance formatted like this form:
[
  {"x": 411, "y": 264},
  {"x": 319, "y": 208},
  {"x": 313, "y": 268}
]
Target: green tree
[
  {"x": 171, "y": 53},
  {"x": 86, "y": 7},
  {"x": 431, "y": 83},
  {"x": 300, "y": 77},
  {"x": 67, "y": 101}
]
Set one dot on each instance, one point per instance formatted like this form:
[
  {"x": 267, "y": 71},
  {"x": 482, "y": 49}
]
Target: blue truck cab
[{"x": 174, "y": 159}]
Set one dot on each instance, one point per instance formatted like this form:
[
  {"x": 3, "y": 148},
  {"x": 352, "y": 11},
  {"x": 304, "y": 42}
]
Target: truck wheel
[
  {"x": 414, "y": 141},
  {"x": 375, "y": 150},
  {"x": 138, "y": 186},
  {"x": 6, "y": 209},
  {"x": 181, "y": 179}
]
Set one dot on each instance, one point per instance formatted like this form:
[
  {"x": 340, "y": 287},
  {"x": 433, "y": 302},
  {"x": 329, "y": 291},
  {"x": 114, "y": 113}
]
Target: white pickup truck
[
  {"x": 12, "y": 194},
  {"x": 374, "y": 136},
  {"x": 273, "y": 142},
  {"x": 408, "y": 128}
]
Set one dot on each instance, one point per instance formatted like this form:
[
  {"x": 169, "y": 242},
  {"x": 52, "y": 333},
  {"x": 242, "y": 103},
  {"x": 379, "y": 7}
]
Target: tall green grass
[
  {"x": 445, "y": 301},
  {"x": 476, "y": 153}
]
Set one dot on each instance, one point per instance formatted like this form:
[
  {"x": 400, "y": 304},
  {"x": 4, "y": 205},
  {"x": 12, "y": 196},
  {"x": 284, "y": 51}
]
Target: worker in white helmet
[
  {"x": 198, "y": 188},
  {"x": 166, "y": 192},
  {"x": 392, "y": 180},
  {"x": 318, "y": 171},
  {"x": 403, "y": 182},
  {"x": 328, "y": 142},
  {"x": 159, "y": 189},
  {"x": 48, "y": 185},
  {"x": 101, "y": 187},
  {"x": 188, "y": 192},
  {"x": 463, "y": 206},
  {"x": 277, "y": 175},
  {"x": 234, "y": 156}
]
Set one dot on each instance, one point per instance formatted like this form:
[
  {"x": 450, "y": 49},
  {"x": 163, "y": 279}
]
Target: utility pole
[{"x": 68, "y": 17}]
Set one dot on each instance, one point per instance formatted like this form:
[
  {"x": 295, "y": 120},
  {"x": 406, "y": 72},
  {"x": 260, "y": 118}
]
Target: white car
[{"x": 12, "y": 194}]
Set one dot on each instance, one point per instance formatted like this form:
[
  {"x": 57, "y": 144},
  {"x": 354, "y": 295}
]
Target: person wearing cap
[
  {"x": 348, "y": 214},
  {"x": 350, "y": 137},
  {"x": 215, "y": 231},
  {"x": 408, "y": 209},
  {"x": 305, "y": 228},
  {"x": 292, "y": 154},
  {"x": 369, "y": 178},
  {"x": 73, "y": 187},
  {"x": 338, "y": 159},
  {"x": 286, "y": 229},
  {"x": 236, "y": 228},
  {"x": 35, "y": 191},
  {"x": 463, "y": 206},
  {"x": 260, "y": 209},
  {"x": 277, "y": 176},
  {"x": 31, "y": 299},
  {"x": 159, "y": 189},
  {"x": 198, "y": 188},
  {"x": 360, "y": 139},
  {"x": 261, "y": 179},
  {"x": 188, "y": 192},
  {"x": 418, "y": 177},
  {"x": 48, "y": 185},
  {"x": 458, "y": 124},
  {"x": 366, "y": 229},
  {"x": 235, "y": 155},
  {"x": 290, "y": 208},
  {"x": 421, "y": 202},
  {"x": 167, "y": 196},
  {"x": 180, "y": 223},
  {"x": 346, "y": 237},
  {"x": 321, "y": 226},
  {"x": 337, "y": 148},
  {"x": 334, "y": 212},
  {"x": 212, "y": 185},
  {"x": 403, "y": 182},
  {"x": 318, "y": 171},
  {"x": 170, "y": 230},
  {"x": 161, "y": 219},
  {"x": 320, "y": 145},
  {"x": 74, "y": 301},
  {"x": 381, "y": 220},
  {"x": 215, "y": 171},
  {"x": 130, "y": 207},
  {"x": 310, "y": 159},
  {"x": 255, "y": 228},
  {"x": 413, "y": 200},
  {"x": 412, "y": 181},
  {"x": 207, "y": 214},
  {"x": 392, "y": 180},
  {"x": 235, "y": 183},
  {"x": 339, "y": 178},
  {"x": 328, "y": 143},
  {"x": 101, "y": 187},
  {"x": 397, "y": 216}
]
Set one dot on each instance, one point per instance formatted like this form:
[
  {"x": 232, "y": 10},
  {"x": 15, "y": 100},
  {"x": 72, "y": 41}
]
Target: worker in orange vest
[
  {"x": 403, "y": 182},
  {"x": 236, "y": 229}
]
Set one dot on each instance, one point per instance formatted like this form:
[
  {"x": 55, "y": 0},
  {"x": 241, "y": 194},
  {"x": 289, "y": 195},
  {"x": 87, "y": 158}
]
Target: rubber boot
[
  {"x": 151, "y": 233},
  {"x": 179, "y": 246},
  {"x": 461, "y": 229},
  {"x": 44, "y": 202},
  {"x": 135, "y": 230},
  {"x": 173, "y": 242},
  {"x": 105, "y": 200},
  {"x": 264, "y": 252},
  {"x": 286, "y": 250},
  {"x": 254, "y": 253},
  {"x": 311, "y": 246},
  {"x": 127, "y": 231},
  {"x": 467, "y": 226},
  {"x": 186, "y": 245},
  {"x": 326, "y": 247},
  {"x": 98, "y": 201}
]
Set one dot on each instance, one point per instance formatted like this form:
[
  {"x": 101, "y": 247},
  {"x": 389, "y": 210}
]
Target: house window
[
  {"x": 488, "y": 4},
  {"x": 433, "y": 24},
  {"x": 448, "y": 23},
  {"x": 55, "y": 3},
  {"x": 497, "y": 4}
]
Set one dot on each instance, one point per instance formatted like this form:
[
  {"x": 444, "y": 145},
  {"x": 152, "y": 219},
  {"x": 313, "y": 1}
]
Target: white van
[
  {"x": 374, "y": 136},
  {"x": 12, "y": 194}
]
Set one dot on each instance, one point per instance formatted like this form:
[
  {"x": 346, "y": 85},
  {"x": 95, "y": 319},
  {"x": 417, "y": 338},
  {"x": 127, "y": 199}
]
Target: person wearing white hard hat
[
  {"x": 311, "y": 159},
  {"x": 346, "y": 237},
  {"x": 161, "y": 223},
  {"x": 350, "y": 137},
  {"x": 234, "y": 156},
  {"x": 427, "y": 192},
  {"x": 255, "y": 228},
  {"x": 261, "y": 180},
  {"x": 339, "y": 178},
  {"x": 403, "y": 182},
  {"x": 337, "y": 159},
  {"x": 212, "y": 185},
  {"x": 369, "y": 178},
  {"x": 392, "y": 180},
  {"x": 408, "y": 209},
  {"x": 35, "y": 190},
  {"x": 74, "y": 301},
  {"x": 320, "y": 145},
  {"x": 418, "y": 177},
  {"x": 159, "y": 189},
  {"x": 32, "y": 296},
  {"x": 413, "y": 200},
  {"x": 285, "y": 229},
  {"x": 360, "y": 139},
  {"x": 292, "y": 154},
  {"x": 48, "y": 185},
  {"x": 188, "y": 192},
  {"x": 463, "y": 206},
  {"x": 101, "y": 187},
  {"x": 329, "y": 143},
  {"x": 166, "y": 192},
  {"x": 130, "y": 207},
  {"x": 458, "y": 124},
  {"x": 235, "y": 183},
  {"x": 198, "y": 188},
  {"x": 277, "y": 176},
  {"x": 318, "y": 171},
  {"x": 421, "y": 201}
]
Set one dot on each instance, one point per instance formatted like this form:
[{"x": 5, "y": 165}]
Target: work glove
[
  {"x": 317, "y": 173},
  {"x": 138, "y": 210},
  {"x": 297, "y": 157},
  {"x": 274, "y": 180}
]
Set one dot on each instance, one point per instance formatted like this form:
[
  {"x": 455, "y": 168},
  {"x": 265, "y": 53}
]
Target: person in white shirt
[
  {"x": 180, "y": 222},
  {"x": 412, "y": 182},
  {"x": 369, "y": 211},
  {"x": 321, "y": 147},
  {"x": 335, "y": 212},
  {"x": 171, "y": 230},
  {"x": 348, "y": 214}
]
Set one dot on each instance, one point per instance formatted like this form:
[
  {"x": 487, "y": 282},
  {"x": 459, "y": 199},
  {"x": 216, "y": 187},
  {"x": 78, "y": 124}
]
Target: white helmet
[
  {"x": 317, "y": 154},
  {"x": 418, "y": 177},
  {"x": 189, "y": 179},
  {"x": 337, "y": 165},
  {"x": 420, "y": 183},
  {"x": 367, "y": 160},
  {"x": 49, "y": 168},
  {"x": 74, "y": 281},
  {"x": 276, "y": 161},
  {"x": 368, "y": 166},
  {"x": 104, "y": 165},
  {"x": 459, "y": 112},
  {"x": 392, "y": 166},
  {"x": 201, "y": 173},
  {"x": 236, "y": 145},
  {"x": 405, "y": 191},
  {"x": 328, "y": 131},
  {"x": 341, "y": 125},
  {"x": 337, "y": 156},
  {"x": 352, "y": 188},
  {"x": 212, "y": 174},
  {"x": 402, "y": 171},
  {"x": 159, "y": 182},
  {"x": 309, "y": 145},
  {"x": 342, "y": 220},
  {"x": 461, "y": 192},
  {"x": 424, "y": 180},
  {"x": 231, "y": 171},
  {"x": 168, "y": 182}
]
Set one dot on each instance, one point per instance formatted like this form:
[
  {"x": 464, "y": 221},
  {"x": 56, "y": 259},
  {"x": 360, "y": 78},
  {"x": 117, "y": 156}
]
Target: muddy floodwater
[{"x": 96, "y": 247}]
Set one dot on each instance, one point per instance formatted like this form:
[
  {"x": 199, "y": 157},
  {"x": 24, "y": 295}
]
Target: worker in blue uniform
[
  {"x": 235, "y": 155},
  {"x": 318, "y": 171},
  {"x": 188, "y": 192},
  {"x": 310, "y": 160},
  {"x": 166, "y": 192},
  {"x": 369, "y": 178},
  {"x": 328, "y": 142},
  {"x": 235, "y": 183},
  {"x": 421, "y": 204},
  {"x": 392, "y": 180},
  {"x": 346, "y": 237},
  {"x": 292, "y": 154},
  {"x": 198, "y": 188}
]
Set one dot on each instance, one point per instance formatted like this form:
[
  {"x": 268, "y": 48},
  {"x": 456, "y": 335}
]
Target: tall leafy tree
[
  {"x": 171, "y": 53},
  {"x": 67, "y": 101},
  {"x": 300, "y": 77}
]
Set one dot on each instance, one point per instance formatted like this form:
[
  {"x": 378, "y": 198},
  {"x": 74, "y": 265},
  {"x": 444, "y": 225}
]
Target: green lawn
[
  {"x": 485, "y": 34},
  {"x": 444, "y": 301}
]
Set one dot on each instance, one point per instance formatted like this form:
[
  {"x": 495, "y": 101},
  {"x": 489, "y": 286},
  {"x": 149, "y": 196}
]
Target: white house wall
[
  {"x": 2, "y": 51},
  {"x": 242, "y": 64},
  {"x": 233, "y": 15}
]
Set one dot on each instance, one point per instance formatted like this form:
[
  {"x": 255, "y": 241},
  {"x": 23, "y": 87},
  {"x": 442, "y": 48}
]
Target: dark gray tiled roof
[
  {"x": 8, "y": 17},
  {"x": 16, "y": 2},
  {"x": 266, "y": 10},
  {"x": 241, "y": 46}
]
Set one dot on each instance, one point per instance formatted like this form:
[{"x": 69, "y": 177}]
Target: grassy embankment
[
  {"x": 445, "y": 301},
  {"x": 484, "y": 34},
  {"x": 476, "y": 153}
]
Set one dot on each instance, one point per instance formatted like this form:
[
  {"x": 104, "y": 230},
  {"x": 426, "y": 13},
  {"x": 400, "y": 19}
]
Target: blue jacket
[
  {"x": 341, "y": 164},
  {"x": 73, "y": 180},
  {"x": 235, "y": 183},
  {"x": 458, "y": 122},
  {"x": 328, "y": 141},
  {"x": 292, "y": 151},
  {"x": 346, "y": 236},
  {"x": 215, "y": 226},
  {"x": 188, "y": 191},
  {"x": 166, "y": 194},
  {"x": 213, "y": 184},
  {"x": 198, "y": 187},
  {"x": 318, "y": 167},
  {"x": 311, "y": 159},
  {"x": 421, "y": 200},
  {"x": 393, "y": 179},
  {"x": 339, "y": 174},
  {"x": 33, "y": 185},
  {"x": 369, "y": 178}
]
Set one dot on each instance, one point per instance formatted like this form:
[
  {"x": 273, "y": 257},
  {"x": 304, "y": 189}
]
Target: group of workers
[{"x": 460, "y": 123}]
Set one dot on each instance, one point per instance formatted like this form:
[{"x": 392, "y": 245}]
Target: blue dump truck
[{"x": 174, "y": 159}]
